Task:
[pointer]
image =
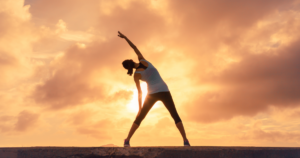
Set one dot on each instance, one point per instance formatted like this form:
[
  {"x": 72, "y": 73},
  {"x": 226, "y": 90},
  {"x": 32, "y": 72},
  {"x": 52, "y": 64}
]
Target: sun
[{"x": 133, "y": 105}]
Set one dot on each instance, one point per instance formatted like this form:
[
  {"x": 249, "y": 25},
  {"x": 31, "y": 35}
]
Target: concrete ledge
[{"x": 150, "y": 152}]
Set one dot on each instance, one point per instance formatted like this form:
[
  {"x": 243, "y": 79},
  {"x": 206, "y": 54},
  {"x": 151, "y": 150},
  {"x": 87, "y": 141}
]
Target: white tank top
[{"x": 154, "y": 82}]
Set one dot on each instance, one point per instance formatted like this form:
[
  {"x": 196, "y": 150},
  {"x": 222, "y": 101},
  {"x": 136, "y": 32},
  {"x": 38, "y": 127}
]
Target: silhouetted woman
[{"x": 157, "y": 90}]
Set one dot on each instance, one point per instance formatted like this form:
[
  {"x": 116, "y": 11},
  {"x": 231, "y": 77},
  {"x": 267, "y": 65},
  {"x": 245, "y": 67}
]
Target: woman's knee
[
  {"x": 138, "y": 120},
  {"x": 176, "y": 119}
]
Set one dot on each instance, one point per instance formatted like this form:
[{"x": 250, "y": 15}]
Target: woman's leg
[
  {"x": 148, "y": 103},
  {"x": 180, "y": 127},
  {"x": 167, "y": 99},
  {"x": 134, "y": 127}
]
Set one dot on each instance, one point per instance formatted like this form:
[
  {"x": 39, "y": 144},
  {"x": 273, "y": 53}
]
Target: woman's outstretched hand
[{"x": 121, "y": 35}]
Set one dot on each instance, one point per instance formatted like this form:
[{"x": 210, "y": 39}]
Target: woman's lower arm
[{"x": 140, "y": 101}]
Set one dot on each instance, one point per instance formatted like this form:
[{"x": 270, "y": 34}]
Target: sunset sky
[{"x": 233, "y": 69}]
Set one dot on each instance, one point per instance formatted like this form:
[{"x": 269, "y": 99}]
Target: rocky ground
[{"x": 150, "y": 152}]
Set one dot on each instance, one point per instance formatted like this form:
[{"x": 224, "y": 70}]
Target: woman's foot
[
  {"x": 126, "y": 143},
  {"x": 186, "y": 143}
]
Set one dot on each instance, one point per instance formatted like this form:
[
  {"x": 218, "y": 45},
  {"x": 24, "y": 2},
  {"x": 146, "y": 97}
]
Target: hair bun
[{"x": 129, "y": 65}]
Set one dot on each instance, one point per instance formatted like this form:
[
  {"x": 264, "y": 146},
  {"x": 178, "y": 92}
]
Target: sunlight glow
[{"x": 133, "y": 106}]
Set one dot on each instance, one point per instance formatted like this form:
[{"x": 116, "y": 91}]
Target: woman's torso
[{"x": 153, "y": 79}]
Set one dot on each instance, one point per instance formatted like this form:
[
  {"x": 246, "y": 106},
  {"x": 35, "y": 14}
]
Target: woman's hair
[{"x": 129, "y": 65}]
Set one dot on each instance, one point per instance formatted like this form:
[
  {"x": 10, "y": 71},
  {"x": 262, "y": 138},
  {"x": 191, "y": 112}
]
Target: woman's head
[{"x": 129, "y": 65}]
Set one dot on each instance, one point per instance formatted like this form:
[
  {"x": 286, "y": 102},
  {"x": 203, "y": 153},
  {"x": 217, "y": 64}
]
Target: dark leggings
[{"x": 166, "y": 98}]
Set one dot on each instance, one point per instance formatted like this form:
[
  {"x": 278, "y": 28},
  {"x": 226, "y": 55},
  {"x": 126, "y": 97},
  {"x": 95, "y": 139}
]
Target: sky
[{"x": 232, "y": 67}]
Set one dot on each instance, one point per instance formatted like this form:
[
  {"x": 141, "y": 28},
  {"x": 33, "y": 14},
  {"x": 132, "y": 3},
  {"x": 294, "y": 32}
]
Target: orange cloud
[{"x": 24, "y": 121}]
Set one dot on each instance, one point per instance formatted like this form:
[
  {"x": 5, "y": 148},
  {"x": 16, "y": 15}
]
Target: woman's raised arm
[{"x": 138, "y": 53}]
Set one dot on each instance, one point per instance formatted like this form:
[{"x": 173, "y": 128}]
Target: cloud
[
  {"x": 73, "y": 80},
  {"x": 7, "y": 63},
  {"x": 66, "y": 89},
  {"x": 164, "y": 123},
  {"x": 120, "y": 95},
  {"x": 140, "y": 27},
  {"x": 251, "y": 86},
  {"x": 23, "y": 122},
  {"x": 78, "y": 14},
  {"x": 26, "y": 120},
  {"x": 15, "y": 37},
  {"x": 73, "y": 77},
  {"x": 99, "y": 129},
  {"x": 5, "y": 125},
  {"x": 275, "y": 136},
  {"x": 211, "y": 16},
  {"x": 81, "y": 117},
  {"x": 94, "y": 133}
]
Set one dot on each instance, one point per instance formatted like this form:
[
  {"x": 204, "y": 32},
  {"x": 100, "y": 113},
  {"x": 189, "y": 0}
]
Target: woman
[{"x": 157, "y": 90}]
